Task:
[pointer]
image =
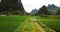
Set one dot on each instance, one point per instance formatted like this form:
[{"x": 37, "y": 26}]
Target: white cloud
[
  {"x": 0, "y": 0},
  {"x": 31, "y": 4}
]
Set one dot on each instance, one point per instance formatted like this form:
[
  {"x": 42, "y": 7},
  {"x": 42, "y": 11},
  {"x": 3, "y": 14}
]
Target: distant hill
[
  {"x": 34, "y": 11},
  {"x": 52, "y": 8}
]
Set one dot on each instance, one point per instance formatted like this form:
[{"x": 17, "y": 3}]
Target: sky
[
  {"x": 32, "y": 4},
  {"x": 0, "y": 0}
]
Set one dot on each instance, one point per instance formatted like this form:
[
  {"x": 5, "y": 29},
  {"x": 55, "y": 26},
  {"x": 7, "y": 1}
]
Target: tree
[
  {"x": 58, "y": 12},
  {"x": 43, "y": 10}
]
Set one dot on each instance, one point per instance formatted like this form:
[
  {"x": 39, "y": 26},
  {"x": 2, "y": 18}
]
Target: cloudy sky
[
  {"x": 0, "y": 0},
  {"x": 31, "y": 4}
]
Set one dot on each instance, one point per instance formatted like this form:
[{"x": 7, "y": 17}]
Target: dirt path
[
  {"x": 30, "y": 26},
  {"x": 39, "y": 27}
]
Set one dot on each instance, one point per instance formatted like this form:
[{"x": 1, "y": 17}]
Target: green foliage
[
  {"x": 58, "y": 12},
  {"x": 43, "y": 10},
  {"x": 10, "y": 23},
  {"x": 52, "y": 23}
]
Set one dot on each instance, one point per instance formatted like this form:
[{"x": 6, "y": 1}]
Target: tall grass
[
  {"x": 10, "y": 23},
  {"x": 52, "y": 23}
]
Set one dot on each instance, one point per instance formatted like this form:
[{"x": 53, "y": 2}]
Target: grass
[
  {"x": 52, "y": 23},
  {"x": 10, "y": 23},
  {"x": 28, "y": 26}
]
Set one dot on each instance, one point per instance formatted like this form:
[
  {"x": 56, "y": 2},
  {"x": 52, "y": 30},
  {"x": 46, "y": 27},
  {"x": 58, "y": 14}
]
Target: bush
[
  {"x": 54, "y": 16},
  {"x": 42, "y": 15}
]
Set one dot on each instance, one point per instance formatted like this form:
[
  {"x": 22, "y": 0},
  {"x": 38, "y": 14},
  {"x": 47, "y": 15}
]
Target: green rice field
[
  {"x": 11, "y": 23},
  {"x": 52, "y": 23}
]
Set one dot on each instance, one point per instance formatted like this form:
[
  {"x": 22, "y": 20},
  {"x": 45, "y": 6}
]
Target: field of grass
[
  {"x": 10, "y": 23},
  {"x": 52, "y": 23},
  {"x": 28, "y": 26}
]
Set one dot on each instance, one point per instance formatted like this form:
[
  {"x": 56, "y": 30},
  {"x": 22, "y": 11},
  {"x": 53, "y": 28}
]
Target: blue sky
[{"x": 31, "y": 4}]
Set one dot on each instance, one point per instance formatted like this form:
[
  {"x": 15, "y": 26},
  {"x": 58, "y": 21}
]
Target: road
[{"x": 29, "y": 26}]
